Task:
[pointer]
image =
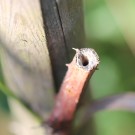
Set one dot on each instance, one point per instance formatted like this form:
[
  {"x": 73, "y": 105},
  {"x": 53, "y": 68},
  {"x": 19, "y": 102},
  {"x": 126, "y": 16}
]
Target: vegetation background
[{"x": 110, "y": 30}]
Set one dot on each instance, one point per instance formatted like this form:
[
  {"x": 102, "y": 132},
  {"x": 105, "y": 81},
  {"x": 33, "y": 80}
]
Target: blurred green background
[
  {"x": 110, "y": 30},
  {"x": 4, "y": 110}
]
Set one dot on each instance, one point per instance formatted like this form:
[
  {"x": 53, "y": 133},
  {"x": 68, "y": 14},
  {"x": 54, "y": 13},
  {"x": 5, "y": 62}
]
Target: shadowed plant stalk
[{"x": 123, "y": 101}]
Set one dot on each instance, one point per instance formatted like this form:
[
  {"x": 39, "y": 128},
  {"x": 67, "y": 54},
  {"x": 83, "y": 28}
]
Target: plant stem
[{"x": 79, "y": 71}]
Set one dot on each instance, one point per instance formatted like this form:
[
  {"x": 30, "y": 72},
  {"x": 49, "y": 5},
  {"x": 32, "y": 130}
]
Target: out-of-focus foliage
[
  {"x": 4, "y": 115},
  {"x": 109, "y": 26},
  {"x": 3, "y": 100}
]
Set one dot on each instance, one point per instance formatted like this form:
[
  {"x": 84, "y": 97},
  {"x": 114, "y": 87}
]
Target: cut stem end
[{"x": 87, "y": 58}]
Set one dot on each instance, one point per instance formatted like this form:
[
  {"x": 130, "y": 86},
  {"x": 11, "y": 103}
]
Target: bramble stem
[{"x": 79, "y": 71}]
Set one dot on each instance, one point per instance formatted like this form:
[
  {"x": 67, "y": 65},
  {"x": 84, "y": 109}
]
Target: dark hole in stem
[{"x": 85, "y": 60}]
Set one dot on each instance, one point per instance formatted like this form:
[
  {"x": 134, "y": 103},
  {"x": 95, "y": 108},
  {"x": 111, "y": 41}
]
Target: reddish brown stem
[{"x": 79, "y": 71}]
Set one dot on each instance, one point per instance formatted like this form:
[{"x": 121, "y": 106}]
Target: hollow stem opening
[{"x": 84, "y": 60}]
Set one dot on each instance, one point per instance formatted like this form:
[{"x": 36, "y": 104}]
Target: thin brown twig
[
  {"x": 124, "y": 102},
  {"x": 79, "y": 71}
]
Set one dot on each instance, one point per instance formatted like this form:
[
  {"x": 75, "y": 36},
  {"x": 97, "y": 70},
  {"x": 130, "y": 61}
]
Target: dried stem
[
  {"x": 123, "y": 101},
  {"x": 79, "y": 71},
  {"x": 119, "y": 102}
]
